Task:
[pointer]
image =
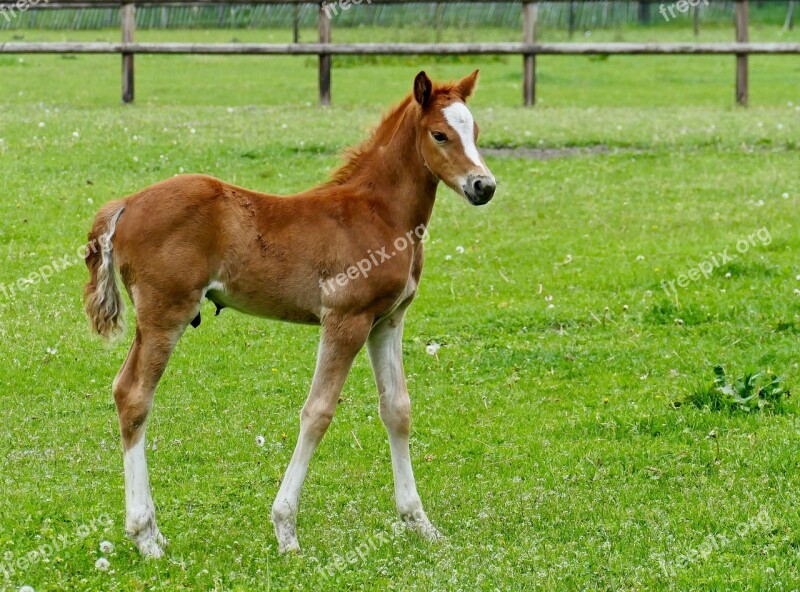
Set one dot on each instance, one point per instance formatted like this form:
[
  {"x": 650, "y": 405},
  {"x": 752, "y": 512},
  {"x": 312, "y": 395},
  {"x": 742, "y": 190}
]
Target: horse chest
[{"x": 409, "y": 290}]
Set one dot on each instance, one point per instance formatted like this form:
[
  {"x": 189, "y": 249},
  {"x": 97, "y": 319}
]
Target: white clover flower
[
  {"x": 26, "y": 589},
  {"x": 640, "y": 257},
  {"x": 76, "y": 134},
  {"x": 260, "y": 441},
  {"x": 230, "y": 109},
  {"x": 52, "y": 351},
  {"x": 432, "y": 348},
  {"x": 192, "y": 131},
  {"x": 448, "y": 257},
  {"x": 785, "y": 196},
  {"x": 459, "y": 249},
  {"x": 89, "y": 200},
  {"x": 102, "y": 564},
  {"x": 107, "y": 547},
  {"x": 41, "y": 124}
]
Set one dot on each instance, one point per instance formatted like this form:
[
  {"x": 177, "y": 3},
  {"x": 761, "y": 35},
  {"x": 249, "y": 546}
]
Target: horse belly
[{"x": 267, "y": 304}]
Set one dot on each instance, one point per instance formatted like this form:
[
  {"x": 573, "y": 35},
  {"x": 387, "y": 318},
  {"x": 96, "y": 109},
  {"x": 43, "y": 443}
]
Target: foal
[{"x": 291, "y": 258}]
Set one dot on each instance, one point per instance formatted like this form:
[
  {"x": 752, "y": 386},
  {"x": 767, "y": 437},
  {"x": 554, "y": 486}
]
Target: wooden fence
[{"x": 528, "y": 48}]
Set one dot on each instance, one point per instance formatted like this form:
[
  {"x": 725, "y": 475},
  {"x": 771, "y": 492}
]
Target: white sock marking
[{"x": 137, "y": 485}]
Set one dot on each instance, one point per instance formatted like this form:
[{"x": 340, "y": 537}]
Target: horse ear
[
  {"x": 466, "y": 86},
  {"x": 423, "y": 89}
]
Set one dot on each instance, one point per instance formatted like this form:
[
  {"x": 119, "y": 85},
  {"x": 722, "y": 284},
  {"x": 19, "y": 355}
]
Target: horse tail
[{"x": 101, "y": 296}]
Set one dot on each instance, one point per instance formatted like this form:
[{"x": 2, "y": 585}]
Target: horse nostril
[{"x": 482, "y": 189}]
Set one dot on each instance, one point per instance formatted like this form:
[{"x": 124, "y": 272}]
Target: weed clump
[{"x": 762, "y": 391}]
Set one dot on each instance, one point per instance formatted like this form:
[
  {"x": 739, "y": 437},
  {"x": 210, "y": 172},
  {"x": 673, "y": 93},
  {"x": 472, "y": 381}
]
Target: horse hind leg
[{"x": 134, "y": 388}]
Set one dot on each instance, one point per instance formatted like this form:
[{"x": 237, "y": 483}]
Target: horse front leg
[
  {"x": 385, "y": 346},
  {"x": 342, "y": 338}
]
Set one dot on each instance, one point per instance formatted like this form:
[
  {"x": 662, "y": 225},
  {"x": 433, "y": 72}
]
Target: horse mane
[
  {"x": 356, "y": 156},
  {"x": 381, "y": 134}
]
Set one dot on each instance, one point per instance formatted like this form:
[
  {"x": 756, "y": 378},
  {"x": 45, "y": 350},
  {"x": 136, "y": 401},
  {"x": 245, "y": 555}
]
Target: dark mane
[{"x": 380, "y": 136}]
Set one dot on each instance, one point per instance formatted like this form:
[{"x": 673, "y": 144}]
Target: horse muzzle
[{"x": 479, "y": 189}]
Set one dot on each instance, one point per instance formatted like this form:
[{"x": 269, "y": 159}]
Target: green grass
[{"x": 545, "y": 444}]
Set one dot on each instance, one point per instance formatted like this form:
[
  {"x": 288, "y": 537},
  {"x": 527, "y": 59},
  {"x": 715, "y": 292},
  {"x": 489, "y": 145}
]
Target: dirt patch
[{"x": 546, "y": 153}]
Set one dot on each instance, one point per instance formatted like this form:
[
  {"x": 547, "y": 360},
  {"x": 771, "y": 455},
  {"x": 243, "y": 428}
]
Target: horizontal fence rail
[
  {"x": 401, "y": 48},
  {"x": 528, "y": 49}
]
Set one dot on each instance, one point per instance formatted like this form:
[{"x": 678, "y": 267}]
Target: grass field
[{"x": 545, "y": 444}]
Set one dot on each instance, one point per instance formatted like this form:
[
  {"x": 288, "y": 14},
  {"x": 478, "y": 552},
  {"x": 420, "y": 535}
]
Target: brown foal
[{"x": 344, "y": 255}]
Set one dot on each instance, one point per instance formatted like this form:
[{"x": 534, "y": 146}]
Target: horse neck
[{"x": 407, "y": 187}]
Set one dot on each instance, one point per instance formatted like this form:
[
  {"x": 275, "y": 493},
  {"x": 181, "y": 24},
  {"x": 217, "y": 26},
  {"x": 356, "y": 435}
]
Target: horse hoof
[
  {"x": 428, "y": 532},
  {"x": 286, "y": 534},
  {"x": 423, "y": 527},
  {"x": 150, "y": 549},
  {"x": 291, "y": 546}
]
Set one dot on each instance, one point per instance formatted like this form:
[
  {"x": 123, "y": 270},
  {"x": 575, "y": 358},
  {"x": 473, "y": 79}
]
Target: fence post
[
  {"x": 127, "y": 17},
  {"x": 789, "y": 24},
  {"x": 296, "y": 24},
  {"x": 644, "y": 12},
  {"x": 324, "y": 59},
  {"x": 530, "y": 10},
  {"x": 696, "y": 20},
  {"x": 742, "y": 36},
  {"x": 571, "y": 24}
]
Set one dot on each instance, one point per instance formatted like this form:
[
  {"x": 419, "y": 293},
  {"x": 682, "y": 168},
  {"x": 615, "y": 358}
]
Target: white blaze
[{"x": 460, "y": 119}]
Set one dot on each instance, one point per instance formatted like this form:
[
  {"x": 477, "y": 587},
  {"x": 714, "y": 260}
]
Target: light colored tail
[{"x": 102, "y": 299}]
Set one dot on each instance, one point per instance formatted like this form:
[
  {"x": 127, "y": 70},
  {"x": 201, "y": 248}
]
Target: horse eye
[{"x": 439, "y": 137}]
